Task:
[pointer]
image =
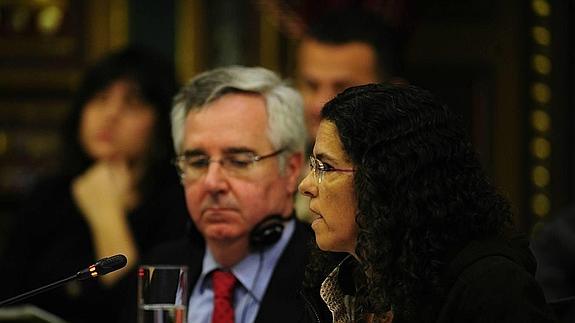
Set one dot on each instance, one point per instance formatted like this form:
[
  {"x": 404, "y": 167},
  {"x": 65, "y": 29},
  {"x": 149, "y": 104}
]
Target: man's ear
[{"x": 294, "y": 164}]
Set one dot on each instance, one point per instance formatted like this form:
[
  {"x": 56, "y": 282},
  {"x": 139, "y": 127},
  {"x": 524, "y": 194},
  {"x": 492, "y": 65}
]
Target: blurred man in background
[{"x": 344, "y": 48}]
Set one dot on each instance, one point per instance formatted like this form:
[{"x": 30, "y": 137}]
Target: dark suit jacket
[{"x": 281, "y": 302}]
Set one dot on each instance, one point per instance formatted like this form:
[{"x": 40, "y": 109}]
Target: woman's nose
[{"x": 308, "y": 187}]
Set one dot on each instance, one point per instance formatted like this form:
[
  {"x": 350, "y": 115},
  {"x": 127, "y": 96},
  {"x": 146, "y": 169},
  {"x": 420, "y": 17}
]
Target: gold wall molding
[
  {"x": 189, "y": 53},
  {"x": 108, "y": 27},
  {"x": 541, "y": 105}
]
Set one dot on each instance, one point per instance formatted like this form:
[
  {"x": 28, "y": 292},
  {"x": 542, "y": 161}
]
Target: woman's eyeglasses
[{"x": 319, "y": 168}]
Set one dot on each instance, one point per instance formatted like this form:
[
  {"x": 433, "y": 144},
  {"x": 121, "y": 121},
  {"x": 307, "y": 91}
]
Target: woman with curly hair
[{"x": 396, "y": 186}]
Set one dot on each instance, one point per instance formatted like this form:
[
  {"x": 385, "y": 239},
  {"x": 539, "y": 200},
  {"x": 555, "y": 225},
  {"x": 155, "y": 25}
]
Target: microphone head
[
  {"x": 102, "y": 267},
  {"x": 110, "y": 264}
]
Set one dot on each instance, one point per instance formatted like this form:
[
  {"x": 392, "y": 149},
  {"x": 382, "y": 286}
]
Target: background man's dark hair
[{"x": 340, "y": 27}]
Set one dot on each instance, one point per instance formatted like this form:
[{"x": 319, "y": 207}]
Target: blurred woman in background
[{"x": 117, "y": 192}]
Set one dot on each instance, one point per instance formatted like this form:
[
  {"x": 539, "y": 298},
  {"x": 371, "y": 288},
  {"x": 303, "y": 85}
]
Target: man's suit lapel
[{"x": 281, "y": 302}]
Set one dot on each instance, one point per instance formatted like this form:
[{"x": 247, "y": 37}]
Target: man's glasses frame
[{"x": 192, "y": 167}]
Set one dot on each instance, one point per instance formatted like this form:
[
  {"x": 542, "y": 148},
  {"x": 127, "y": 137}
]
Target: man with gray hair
[{"x": 239, "y": 135}]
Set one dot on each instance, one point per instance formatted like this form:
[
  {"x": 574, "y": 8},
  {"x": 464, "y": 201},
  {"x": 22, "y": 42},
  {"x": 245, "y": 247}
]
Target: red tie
[{"x": 223, "y": 283}]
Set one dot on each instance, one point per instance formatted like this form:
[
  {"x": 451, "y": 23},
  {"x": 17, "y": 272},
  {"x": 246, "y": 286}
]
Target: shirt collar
[{"x": 244, "y": 270}]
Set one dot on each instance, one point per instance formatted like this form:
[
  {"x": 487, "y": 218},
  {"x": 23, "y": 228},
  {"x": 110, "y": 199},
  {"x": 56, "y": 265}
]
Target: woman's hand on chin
[{"x": 106, "y": 189}]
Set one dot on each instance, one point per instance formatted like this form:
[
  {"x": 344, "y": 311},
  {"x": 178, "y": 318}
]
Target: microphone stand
[
  {"x": 36, "y": 291},
  {"x": 101, "y": 267}
]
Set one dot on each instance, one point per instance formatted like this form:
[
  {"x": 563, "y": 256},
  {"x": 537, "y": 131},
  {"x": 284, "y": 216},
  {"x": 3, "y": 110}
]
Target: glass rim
[{"x": 162, "y": 266}]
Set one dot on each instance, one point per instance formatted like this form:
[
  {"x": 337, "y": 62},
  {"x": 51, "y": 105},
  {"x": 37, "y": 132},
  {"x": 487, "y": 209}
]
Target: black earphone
[{"x": 267, "y": 232}]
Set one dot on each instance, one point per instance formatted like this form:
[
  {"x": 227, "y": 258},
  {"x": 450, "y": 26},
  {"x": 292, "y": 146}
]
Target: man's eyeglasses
[
  {"x": 192, "y": 167},
  {"x": 319, "y": 168}
]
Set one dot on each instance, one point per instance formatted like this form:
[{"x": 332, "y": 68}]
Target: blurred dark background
[{"x": 506, "y": 66}]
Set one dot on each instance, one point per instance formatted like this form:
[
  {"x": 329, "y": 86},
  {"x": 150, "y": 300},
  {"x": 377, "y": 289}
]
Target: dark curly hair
[
  {"x": 154, "y": 75},
  {"x": 421, "y": 194}
]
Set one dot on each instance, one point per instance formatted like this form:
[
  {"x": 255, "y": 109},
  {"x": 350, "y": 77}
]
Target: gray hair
[{"x": 284, "y": 105}]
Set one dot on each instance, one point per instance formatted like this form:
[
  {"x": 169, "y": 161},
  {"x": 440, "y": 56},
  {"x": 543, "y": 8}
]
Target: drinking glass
[{"x": 162, "y": 294}]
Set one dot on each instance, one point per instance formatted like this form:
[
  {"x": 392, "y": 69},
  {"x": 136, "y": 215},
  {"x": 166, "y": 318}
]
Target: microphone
[{"x": 100, "y": 268}]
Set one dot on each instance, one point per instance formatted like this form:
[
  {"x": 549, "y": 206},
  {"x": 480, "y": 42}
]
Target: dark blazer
[
  {"x": 493, "y": 281},
  {"x": 281, "y": 302},
  {"x": 488, "y": 280}
]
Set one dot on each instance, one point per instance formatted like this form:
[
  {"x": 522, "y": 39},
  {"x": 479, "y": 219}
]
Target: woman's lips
[
  {"x": 315, "y": 215},
  {"x": 105, "y": 136}
]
